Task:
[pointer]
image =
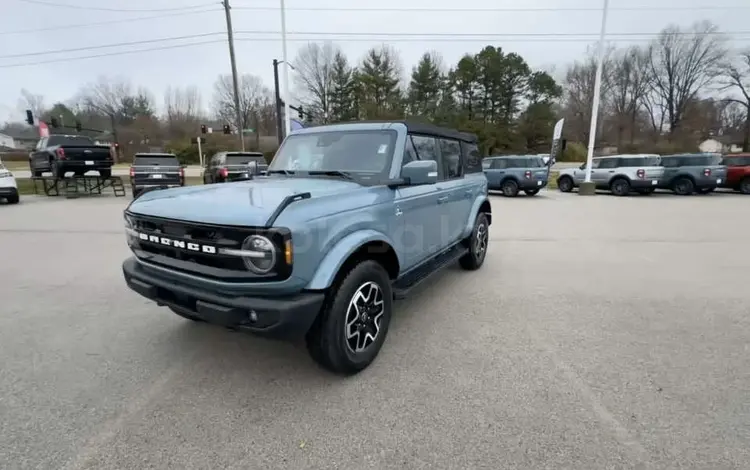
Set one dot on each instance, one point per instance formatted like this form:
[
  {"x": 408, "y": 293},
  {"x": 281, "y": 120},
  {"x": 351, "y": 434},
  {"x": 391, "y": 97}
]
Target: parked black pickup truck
[
  {"x": 60, "y": 154},
  {"x": 234, "y": 166},
  {"x": 155, "y": 171}
]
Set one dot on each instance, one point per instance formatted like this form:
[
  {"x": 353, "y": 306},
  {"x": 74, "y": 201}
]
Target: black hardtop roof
[{"x": 422, "y": 128}]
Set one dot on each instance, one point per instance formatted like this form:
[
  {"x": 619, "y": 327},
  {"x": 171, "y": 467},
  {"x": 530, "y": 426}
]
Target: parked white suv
[{"x": 8, "y": 186}]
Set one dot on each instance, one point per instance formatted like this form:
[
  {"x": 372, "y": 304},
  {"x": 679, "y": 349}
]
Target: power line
[
  {"x": 387, "y": 36},
  {"x": 119, "y": 10},
  {"x": 110, "y": 54},
  {"x": 376, "y": 38},
  {"x": 104, "y": 46},
  {"x": 490, "y": 10},
  {"x": 103, "y": 23}
]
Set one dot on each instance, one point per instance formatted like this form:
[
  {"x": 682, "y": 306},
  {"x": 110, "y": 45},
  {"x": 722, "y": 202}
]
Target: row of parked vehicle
[
  {"x": 683, "y": 174},
  {"x": 163, "y": 170}
]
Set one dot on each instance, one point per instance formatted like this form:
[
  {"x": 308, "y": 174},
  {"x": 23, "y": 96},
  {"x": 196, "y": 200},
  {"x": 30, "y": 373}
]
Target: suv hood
[{"x": 248, "y": 203}]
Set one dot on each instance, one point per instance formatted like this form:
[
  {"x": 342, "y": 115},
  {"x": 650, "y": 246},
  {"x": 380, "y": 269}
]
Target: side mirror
[
  {"x": 420, "y": 172},
  {"x": 582, "y": 167}
]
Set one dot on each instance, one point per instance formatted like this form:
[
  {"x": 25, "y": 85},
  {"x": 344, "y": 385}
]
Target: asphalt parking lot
[{"x": 602, "y": 333}]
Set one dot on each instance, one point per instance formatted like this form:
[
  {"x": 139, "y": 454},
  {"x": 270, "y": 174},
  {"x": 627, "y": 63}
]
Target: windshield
[
  {"x": 245, "y": 158},
  {"x": 162, "y": 160},
  {"x": 70, "y": 140},
  {"x": 363, "y": 152}
]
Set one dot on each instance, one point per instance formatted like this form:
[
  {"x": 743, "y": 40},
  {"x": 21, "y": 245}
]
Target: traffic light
[
  {"x": 227, "y": 129},
  {"x": 204, "y": 129},
  {"x": 79, "y": 127},
  {"x": 301, "y": 114},
  {"x": 54, "y": 122},
  {"x": 29, "y": 117}
]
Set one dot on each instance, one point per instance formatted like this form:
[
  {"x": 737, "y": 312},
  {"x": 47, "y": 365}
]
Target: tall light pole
[
  {"x": 287, "y": 118},
  {"x": 230, "y": 37},
  {"x": 588, "y": 187}
]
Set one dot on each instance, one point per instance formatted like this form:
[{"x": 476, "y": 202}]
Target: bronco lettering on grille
[{"x": 177, "y": 243}]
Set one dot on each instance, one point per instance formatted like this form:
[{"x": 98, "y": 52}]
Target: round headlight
[{"x": 261, "y": 254}]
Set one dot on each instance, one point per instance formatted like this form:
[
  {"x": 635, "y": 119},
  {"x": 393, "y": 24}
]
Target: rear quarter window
[
  {"x": 472, "y": 158},
  {"x": 244, "y": 159}
]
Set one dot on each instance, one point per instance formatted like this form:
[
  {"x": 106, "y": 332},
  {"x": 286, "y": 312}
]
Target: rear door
[
  {"x": 156, "y": 170},
  {"x": 451, "y": 183}
]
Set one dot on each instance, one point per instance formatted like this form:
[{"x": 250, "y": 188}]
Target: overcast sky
[{"x": 199, "y": 65}]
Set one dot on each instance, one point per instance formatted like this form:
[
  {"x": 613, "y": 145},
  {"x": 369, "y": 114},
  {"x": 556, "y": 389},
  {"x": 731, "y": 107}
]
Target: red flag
[{"x": 43, "y": 129}]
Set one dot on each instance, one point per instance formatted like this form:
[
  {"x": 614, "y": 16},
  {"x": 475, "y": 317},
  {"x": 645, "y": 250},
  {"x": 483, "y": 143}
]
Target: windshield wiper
[
  {"x": 340, "y": 174},
  {"x": 282, "y": 172}
]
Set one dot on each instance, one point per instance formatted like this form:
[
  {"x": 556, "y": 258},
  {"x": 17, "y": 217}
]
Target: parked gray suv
[
  {"x": 685, "y": 174},
  {"x": 619, "y": 174},
  {"x": 513, "y": 173}
]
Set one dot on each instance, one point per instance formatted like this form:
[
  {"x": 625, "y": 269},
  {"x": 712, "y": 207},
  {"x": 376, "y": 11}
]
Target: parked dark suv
[
  {"x": 234, "y": 166},
  {"x": 155, "y": 171}
]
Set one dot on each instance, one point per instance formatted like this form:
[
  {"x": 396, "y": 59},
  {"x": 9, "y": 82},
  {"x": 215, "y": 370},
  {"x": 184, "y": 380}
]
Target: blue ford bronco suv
[{"x": 348, "y": 218}]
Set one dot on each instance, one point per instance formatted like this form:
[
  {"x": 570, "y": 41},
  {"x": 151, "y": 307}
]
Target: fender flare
[
  {"x": 341, "y": 251},
  {"x": 473, "y": 214}
]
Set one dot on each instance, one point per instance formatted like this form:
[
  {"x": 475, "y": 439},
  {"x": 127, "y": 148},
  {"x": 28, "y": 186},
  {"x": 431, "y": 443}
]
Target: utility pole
[
  {"x": 230, "y": 37},
  {"x": 279, "y": 129},
  {"x": 284, "y": 58},
  {"x": 588, "y": 188}
]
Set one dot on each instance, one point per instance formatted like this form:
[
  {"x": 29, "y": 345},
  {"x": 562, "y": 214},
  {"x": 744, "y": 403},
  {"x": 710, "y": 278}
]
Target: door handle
[
  {"x": 611, "y": 171},
  {"x": 442, "y": 199}
]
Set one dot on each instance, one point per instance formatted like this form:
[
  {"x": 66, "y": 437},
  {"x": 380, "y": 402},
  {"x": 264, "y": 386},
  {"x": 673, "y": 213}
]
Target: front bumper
[
  {"x": 277, "y": 317},
  {"x": 8, "y": 191}
]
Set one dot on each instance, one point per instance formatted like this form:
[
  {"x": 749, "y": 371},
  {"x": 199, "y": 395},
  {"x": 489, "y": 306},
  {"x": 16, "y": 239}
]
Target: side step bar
[{"x": 407, "y": 284}]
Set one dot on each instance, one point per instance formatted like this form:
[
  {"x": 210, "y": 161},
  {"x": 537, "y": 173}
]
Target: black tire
[
  {"x": 531, "y": 192},
  {"x": 186, "y": 315},
  {"x": 336, "y": 347},
  {"x": 13, "y": 199},
  {"x": 509, "y": 188},
  {"x": 136, "y": 192},
  {"x": 58, "y": 172},
  {"x": 683, "y": 186},
  {"x": 620, "y": 187},
  {"x": 646, "y": 192},
  {"x": 477, "y": 244},
  {"x": 745, "y": 185},
  {"x": 105, "y": 173},
  {"x": 565, "y": 184}
]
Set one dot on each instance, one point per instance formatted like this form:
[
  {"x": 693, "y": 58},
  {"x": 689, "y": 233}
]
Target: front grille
[
  {"x": 193, "y": 237},
  {"x": 199, "y": 234}
]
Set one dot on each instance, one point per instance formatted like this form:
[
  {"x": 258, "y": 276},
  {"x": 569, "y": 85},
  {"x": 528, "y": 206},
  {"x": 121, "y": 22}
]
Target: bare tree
[
  {"x": 736, "y": 77},
  {"x": 105, "y": 97},
  {"x": 33, "y": 102},
  {"x": 628, "y": 84},
  {"x": 314, "y": 77},
  {"x": 183, "y": 110},
  {"x": 578, "y": 90},
  {"x": 254, "y": 98},
  {"x": 682, "y": 64}
]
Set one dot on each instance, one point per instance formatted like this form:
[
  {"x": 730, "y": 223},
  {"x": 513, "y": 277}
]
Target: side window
[
  {"x": 594, "y": 164},
  {"x": 450, "y": 152},
  {"x": 472, "y": 158},
  {"x": 426, "y": 147},
  {"x": 486, "y": 164},
  {"x": 608, "y": 163},
  {"x": 410, "y": 153},
  {"x": 499, "y": 164}
]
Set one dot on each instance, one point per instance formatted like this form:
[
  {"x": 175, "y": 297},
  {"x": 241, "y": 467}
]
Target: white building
[
  {"x": 7, "y": 141},
  {"x": 721, "y": 144}
]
